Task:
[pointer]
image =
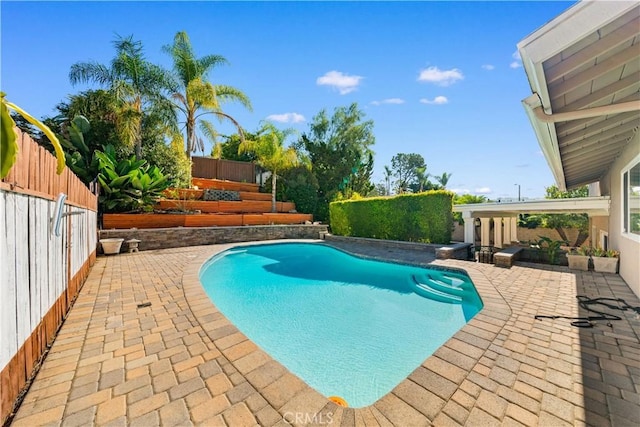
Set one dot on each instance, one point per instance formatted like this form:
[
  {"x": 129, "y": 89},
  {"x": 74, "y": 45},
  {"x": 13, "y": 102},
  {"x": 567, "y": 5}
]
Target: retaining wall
[{"x": 164, "y": 238}]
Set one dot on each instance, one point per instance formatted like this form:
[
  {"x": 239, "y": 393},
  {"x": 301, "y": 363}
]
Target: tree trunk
[
  {"x": 563, "y": 235},
  {"x": 138, "y": 147},
  {"x": 190, "y": 134},
  {"x": 273, "y": 191},
  {"x": 582, "y": 237}
]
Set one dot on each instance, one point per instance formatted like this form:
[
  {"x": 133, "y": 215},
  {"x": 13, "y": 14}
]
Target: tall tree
[
  {"x": 404, "y": 168},
  {"x": 338, "y": 148},
  {"x": 194, "y": 96},
  {"x": 360, "y": 180},
  {"x": 136, "y": 86},
  {"x": 422, "y": 178},
  {"x": 388, "y": 173},
  {"x": 561, "y": 221},
  {"x": 553, "y": 192},
  {"x": 271, "y": 153},
  {"x": 443, "y": 179},
  {"x": 97, "y": 107},
  {"x": 228, "y": 148}
]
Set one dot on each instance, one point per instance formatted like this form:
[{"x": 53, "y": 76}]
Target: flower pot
[
  {"x": 111, "y": 246},
  {"x": 578, "y": 262},
  {"x": 605, "y": 264}
]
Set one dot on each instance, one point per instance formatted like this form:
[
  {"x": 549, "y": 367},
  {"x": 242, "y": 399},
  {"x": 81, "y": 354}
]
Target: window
[{"x": 631, "y": 199}]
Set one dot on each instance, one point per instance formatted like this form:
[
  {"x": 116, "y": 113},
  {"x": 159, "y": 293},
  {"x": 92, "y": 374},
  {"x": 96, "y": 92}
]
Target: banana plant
[
  {"x": 128, "y": 185},
  {"x": 8, "y": 138},
  {"x": 79, "y": 157}
]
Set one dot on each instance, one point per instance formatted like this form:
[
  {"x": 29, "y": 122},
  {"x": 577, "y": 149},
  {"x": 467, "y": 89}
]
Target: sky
[{"x": 441, "y": 79}]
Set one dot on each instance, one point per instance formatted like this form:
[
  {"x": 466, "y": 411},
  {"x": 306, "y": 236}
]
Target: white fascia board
[
  {"x": 574, "y": 24},
  {"x": 591, "y": 205},
  {"x": 547, "y": 139},
  {"x": 571, "y": 26},
  {"x": 577, "y": 22}
]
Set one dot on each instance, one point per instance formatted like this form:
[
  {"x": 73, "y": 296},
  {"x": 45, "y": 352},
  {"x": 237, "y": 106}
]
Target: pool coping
[{"x": 415, "y": 400}]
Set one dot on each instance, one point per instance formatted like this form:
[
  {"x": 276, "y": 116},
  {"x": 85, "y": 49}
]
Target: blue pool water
[{"x": 347, "y": 326}]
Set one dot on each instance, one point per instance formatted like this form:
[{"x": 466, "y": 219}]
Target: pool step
[
  {"x": 427, "y": 291},
  {"x": 441, "y": 286},
  {"x": 455, "y": 279}
]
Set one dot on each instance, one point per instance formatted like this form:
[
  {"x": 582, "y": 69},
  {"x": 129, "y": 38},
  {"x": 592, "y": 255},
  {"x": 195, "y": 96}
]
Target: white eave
[
  {"x": 593, "y": 206},
  {"x": 545, "y": 133},
  {"x": 583, "y": 68}
]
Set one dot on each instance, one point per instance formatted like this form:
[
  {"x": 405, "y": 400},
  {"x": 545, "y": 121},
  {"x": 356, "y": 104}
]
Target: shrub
[
  {"x": 423, "y": 217},
  {"x": 128, "y": 185}
]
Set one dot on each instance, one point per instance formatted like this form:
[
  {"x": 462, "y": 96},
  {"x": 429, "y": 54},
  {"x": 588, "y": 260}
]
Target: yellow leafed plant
[{"x": 8, "y": 138}]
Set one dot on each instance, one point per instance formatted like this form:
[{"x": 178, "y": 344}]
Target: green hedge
[{"x": 423, "y": 217}]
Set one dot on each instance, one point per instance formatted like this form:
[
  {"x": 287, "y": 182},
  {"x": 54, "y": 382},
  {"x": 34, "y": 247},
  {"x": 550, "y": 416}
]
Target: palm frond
[
  {"x": 230, "y": 93},
  {"x": 86, "y": 72},
  {"x": 206, "y": 63},
  {"x": 208, "y": 130}
]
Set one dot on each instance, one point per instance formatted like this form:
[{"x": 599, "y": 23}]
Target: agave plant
[{"x": 128, "y": 185}]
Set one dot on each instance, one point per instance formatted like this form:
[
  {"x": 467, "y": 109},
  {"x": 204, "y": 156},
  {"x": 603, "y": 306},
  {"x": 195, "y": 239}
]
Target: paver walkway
[{"x": 180, "y": 362}]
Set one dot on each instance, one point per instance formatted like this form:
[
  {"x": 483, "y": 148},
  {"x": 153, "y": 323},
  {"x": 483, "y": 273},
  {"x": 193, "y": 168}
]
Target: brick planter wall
[{"x": 163, "y": 238}]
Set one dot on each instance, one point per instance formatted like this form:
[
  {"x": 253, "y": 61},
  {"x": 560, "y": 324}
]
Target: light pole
[{"x": 518, "y": 191}]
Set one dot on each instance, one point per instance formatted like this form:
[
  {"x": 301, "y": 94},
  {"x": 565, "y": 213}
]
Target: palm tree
[
  {"x": 443, "y": 179},
  {"x": 269, "y": 149},
  {"x": 388, "y": 173},
  {"x": 136, "y": 86},
  {"x": 422, "y": 177},
  {"x": 194, "y": 96}
]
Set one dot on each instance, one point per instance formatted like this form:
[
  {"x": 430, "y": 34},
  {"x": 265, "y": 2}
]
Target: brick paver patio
[{"x": 180, "y": 362}]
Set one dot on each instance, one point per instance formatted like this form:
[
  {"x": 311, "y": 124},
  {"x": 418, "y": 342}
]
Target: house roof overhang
[
  {"x": 593, "y": 206},
  {"x": 583, "y": 68}
]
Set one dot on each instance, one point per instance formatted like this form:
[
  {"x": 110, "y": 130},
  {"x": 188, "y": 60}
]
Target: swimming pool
[{"x": 347, "y": 326}]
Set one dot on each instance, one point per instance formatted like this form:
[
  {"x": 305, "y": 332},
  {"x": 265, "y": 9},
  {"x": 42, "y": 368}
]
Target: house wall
[
  {"x": 611, "y": 185},
  {"x": 597, "y": 226}
]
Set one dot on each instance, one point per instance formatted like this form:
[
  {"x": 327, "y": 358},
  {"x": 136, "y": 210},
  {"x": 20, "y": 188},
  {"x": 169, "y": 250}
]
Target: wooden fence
[
  {"x": 207, "y": 167},
  {"x": 41, "y": 272}
]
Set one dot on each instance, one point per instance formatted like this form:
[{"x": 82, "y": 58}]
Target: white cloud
[
  {"x": 460, "y": 190},
  {"x": 518, "y": 60},
  {"x": 482, "y": 190},
  {"x": 488, "y": 67},
  {"x": 389, "y": 101},
  {"x": 440, "y": 77},
  {"x": 438, "y": 100},
  {"x": 287, "y": 118},
  {"x": 344, "y": 83}
]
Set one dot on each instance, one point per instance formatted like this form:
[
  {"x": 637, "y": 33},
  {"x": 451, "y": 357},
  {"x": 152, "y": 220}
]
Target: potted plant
[
  {"x": 579, "y": 258},
  {"x": 551, "y": 247},
  {"x": 605, "y": 261}
]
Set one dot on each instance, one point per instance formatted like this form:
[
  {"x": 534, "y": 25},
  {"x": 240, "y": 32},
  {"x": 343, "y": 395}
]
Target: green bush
[
  {"x": 301, "y": 187},
  {"x": 423, "y": 217},
  {"x": 171, "y": 159}
]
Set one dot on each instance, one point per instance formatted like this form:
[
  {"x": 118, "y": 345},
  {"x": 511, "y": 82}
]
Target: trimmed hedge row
[{"x": 423, "y": 217}]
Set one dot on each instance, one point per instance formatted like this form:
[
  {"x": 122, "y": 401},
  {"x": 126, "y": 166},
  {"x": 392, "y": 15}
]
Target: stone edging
[{"x": 472, "y": 341}]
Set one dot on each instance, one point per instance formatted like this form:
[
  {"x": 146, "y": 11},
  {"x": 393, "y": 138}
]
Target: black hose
[{"x": 589, "y": 321}]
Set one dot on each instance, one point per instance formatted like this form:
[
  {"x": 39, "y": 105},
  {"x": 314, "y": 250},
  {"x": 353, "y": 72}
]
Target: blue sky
[{"x": 437, "y": 78}]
